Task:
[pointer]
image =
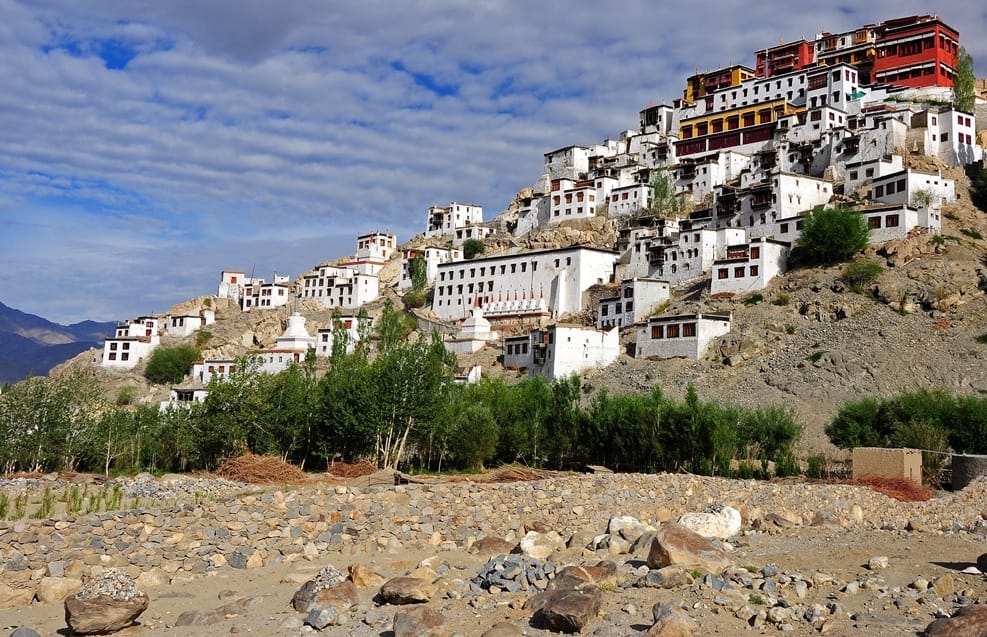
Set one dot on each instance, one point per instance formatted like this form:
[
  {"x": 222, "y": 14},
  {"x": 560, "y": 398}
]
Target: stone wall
[{"x": 888, "y": 463}]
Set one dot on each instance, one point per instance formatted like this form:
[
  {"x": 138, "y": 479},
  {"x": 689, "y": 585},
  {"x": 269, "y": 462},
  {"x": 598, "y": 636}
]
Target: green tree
[
  {"x": 964, "y": 83},
  {"x": 664, "y": 202},
  {"x": 472, "y": 247},
  {"x": 170, "y": 364},
  {"x": 419, "y": 273},
  {"x": 832, "y": 235},
  {"x": 393, "y": 327},
  {"x": 978, "y": 189}
]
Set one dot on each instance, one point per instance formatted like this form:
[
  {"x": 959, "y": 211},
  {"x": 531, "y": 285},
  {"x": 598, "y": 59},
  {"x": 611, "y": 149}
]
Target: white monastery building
[
  {"x": 749, "y": 267},
  {"x": 636, "y": 300},
  {"x": 339, "y": 287},
  {"x": 557, "y": 277},
  {"x": 186, "y": 324},
  {"x": 558, "y": 351},
  {"x": 350, "y": 325},
  {"x": 131, "y": 343},
  {"x": 684, "y": 335},
  {"x": 432, "y": 256},
  {"x": 372, "y": 252},
  {"x": 443, "y": 221}
]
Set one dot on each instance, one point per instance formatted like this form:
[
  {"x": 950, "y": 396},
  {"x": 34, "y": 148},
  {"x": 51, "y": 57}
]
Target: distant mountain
[{"x": 30, "y": 344}]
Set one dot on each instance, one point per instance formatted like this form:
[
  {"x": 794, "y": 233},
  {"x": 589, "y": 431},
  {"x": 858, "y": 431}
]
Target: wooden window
[
  {"x": 756, "y": 252},
  {"x": 738, "y": 272},
  {"x": 892, "y": 221},
  {"x": 672, "y": 331},
  {"x": 656, "y": 331},
  {"x": 688, "y": 330},
  {"x": 873, "y": 223},
  {"x": 723, "y": 273}
]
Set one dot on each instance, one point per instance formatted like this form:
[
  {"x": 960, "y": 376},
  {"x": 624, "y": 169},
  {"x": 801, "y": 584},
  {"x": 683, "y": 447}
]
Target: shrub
[
  {"x": 832, "y": 235},
  {"x": 973, "y": 234},
  {"x": 472, "y": 247},
  {"x": 782, "y": 299},
  {"x": 982, "y": 339},
  {"x": 855, "y": 425},
  {"x": 170, "y": 364},
  {"x": 126, "y": 395},
  {"x": 753, "y": 299},
  {"x": 815, "y": 356},
  {"x": 859, "y": 273},
  {"x": 202, "y": 337},
  {"x": 931, "y": 439},
  {"x": 790, "y": 329},
  {"x": 815, "y": 467},
  {"x": 415, "y": 299}
]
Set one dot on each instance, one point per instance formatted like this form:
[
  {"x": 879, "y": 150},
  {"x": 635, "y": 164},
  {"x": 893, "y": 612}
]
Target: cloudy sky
[{"x": 147, "y": 145}]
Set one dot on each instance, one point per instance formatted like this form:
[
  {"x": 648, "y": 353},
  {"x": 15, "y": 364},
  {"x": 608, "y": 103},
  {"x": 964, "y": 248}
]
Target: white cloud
[{"x": 242, "y": 131}]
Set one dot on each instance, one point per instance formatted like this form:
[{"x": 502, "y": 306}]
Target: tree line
[{"x": 395, "y": 406}]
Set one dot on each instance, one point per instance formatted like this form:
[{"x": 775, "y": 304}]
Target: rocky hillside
[{"x": 809, "y": 342}]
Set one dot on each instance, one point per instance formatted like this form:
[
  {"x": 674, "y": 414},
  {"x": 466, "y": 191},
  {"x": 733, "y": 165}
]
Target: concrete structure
[
  {"x": 683, "y": 335},
  {"x": 231, "y": 283},
  {"x": 896, "y": 221},
  {"x": 350, "y": 326},
  {"x": 887, "y": 463},
  {"x": 556, "y": 278},
  {"x": 443, "y": 221},
  {"x": 568, "y": 162},
  {"x": 184, "y": 398},
  {"x": 558, "y": 351},
  {"x": 913, "y": 188},
  {"x": 258, "y": 294},
  {"x": 131, "y": 343},
  {"x": 916, "y": 51},
  {"x": 186, "y": 324},
  {"x": 473, "y": 334},
  {"x": 637, "y": 298},
  {"x": 339, "y": 287},
  {"x": 432, "y": 256},
  {"x": 219, "y": 368},
  {"x": 468, "y": 375},
  {"x": 749, "y": 267},
  {"x": 372, "y": 252},
  {"x": 291, "y": 347}
]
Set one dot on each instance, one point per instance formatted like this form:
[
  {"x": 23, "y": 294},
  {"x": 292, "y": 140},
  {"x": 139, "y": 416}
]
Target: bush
[
  {"x": 782, "y": 299},
  {"x": 415, "y": 299},
  {"x": 832, "y": 235},
  {"x": 973, "y": 234},
  {"x": 126, "y": 395},
  {"x": 859, "y": 273},
  {"x": 855, "y": 425},
  {"x": 931, "y": 439},
  {"x": 170, "y": 364},
  {"x": 202, "y": 337},
  {"x": 753, "y": 299},
  {"x": 472, "y": 247},
  {"x": 982, "y": 339}
]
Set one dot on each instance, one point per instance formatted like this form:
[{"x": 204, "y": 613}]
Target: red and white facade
[{"x": 131, "y": 343}]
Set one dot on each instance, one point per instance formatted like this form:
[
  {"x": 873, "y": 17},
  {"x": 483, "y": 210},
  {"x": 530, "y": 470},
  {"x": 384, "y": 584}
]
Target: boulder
[
  {"x": 54, "y": 590},
  {"x": 102, "y": 614},
  {"x": 566, "y": 610},
  {"x": 675, "y": 545},
  {"x": 572, "y": 576},
  {"x": 419, "y": 622},
  {"x": 365, "y": 577},
  {"x": 669, "y": 623},
  {"x": 540, "y": 545},
  {"x": 489, "y": 546},
  {"x": 329, "y": 587},
  {"x": 407, "y": 590},
  {"x": 718, "y": 521},
  {"x": 629, "y": 528},
  {"x": 14, "y": 597},
  {"x": 969, "y": 621},
  {"x": 668, "y": 577},
  {"x": 503, "y": 629},
  {"x": 106, "y": 604}
]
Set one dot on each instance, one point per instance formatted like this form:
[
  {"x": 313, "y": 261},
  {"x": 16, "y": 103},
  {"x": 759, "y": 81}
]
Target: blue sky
[{"x": 145, "y": 146}]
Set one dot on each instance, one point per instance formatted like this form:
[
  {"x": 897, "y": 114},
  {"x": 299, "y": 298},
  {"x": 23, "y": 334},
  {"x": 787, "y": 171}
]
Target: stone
[
  {"x": 322, "y": 616},
  {"x": 503, "y": 629},
  {"x": 14, "y": 597},
  {"x": 675, "y": 545},
  {"x": 718, "y": 521},
  {"x": 667, "y": 577},
  {"x": 572, "y": 576},
  {"x": 669, "y": 623},
  {"x": 969, "y": 621},
  {"x": 342, "y": 596},
  {"x": 489, "y": 546},
  {"x": 153, "y": 578},
  {"x": 628, "y": 527},
  {"x": 24, "y": 631},
  {"x": 365, "y": 577},
  {"x": 419, "y": 622},
  {"x": 540, "y": 545},
  {"x": 200, "y": 618},
  {"x": 407, "y": 590},
  {"x": 982, "y": 563},
  {"x": 943, "y": 585},
  {"x": 566, "y": 610},
  {"x": 54, "y": 590},
  {"x": 877, "y": 563},
  {"x": 102, "y": 614}
]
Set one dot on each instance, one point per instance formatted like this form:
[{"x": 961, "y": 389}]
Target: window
[
  {"x": 783, "y": 228},
  {"x": 722, "y": 273},
  {"x": 753, "y": 270},
  {"x": 879, "y": 191},
  {"x": 113, "y": 346},
  {"x": 672, "y": 331},
  {"x": 113, "y": 356},
  {"x": 604, "y": 310},
  {"x": 873, "y": 223},
  {"x": 656, "y": 331},
  {"x": 688, "y": 330},
  {"x": 738, "y": 272},
  {"x": 891, "y": 221},
  {"x": 756, "y": 252}
]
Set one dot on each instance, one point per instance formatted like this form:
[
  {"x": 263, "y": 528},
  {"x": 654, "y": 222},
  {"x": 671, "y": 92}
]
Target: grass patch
[
  {"x": 782, "y": 299},
  {"x": 982, "y": 339},
  {"x": 973, "y": 234},
  {"x": 753, "y": 299},
  {"x": 815, "y": 356},
  {"x": 859, "y": 273},
  {"x": 790, "y": 329},
  {"x": 756, "y": 599}
]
